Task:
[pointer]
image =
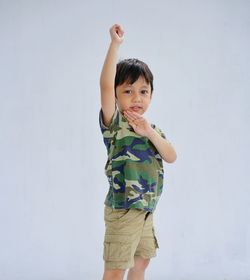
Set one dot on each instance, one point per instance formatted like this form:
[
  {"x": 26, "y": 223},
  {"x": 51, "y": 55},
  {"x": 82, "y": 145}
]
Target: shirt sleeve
[
  {"x": 159, "y": 131},
  {"x": 108, "y": 132},
  {"x": 114, "y": 121}
]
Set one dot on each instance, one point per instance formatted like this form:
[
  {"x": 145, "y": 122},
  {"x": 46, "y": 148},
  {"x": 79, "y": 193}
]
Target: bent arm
[
  {"x": 143, "y": 128},
  {"x": 164, "y": 147}
]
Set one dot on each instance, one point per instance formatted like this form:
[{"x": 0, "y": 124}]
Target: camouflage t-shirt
[{"x": 134, "y": 167}]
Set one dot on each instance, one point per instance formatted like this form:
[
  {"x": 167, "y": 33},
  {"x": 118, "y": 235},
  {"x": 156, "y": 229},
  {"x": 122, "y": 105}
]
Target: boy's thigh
[
  {"x": 148, "y": 244},
  {"x": 123, "y": 232}
]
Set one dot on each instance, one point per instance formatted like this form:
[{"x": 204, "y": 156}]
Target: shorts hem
[
  {"x": 146, "y": 257},
  {"x": 121, "y": 266}
]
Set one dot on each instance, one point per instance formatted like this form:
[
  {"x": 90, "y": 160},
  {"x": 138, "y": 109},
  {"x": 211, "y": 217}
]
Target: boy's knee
[
  {"x": 141, "y": 264},
  {"x": 114, "y": 274}
]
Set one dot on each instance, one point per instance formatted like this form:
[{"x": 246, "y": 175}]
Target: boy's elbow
[
  {"x": 106, "y": 87},
  {"x": 171, "y": 159}
]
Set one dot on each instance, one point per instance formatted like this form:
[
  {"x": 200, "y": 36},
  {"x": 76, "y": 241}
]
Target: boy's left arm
[
  {"x": 163, "y": 146},
  {"x": 142, "y": 127}
]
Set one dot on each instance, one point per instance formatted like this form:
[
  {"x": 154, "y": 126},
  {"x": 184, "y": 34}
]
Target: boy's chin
[{"x": 138, "y": 111}]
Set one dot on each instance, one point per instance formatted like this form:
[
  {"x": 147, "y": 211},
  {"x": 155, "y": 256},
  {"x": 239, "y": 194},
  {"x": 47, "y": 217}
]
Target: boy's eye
[
  {"x": 144, "y": 91},
  {"x": 127, "y": 91}
]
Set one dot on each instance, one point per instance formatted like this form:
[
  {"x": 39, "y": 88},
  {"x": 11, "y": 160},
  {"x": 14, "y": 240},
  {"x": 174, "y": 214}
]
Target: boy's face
[{"x": 135, "y": 97}]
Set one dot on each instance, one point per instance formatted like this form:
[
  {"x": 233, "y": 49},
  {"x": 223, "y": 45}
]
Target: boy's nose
[{"x": 136, "y": 97}]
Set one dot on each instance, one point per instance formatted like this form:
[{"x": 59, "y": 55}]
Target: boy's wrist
[
  {"x": 151, "y": 134},
  {"x": 115, "y": 44}
]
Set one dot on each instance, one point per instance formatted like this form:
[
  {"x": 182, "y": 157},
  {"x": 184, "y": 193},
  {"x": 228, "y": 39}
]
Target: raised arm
[{"x": 107, "y": 79}]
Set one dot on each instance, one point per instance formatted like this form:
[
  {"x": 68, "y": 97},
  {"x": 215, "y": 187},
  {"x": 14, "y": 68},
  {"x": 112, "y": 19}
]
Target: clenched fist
[{"x": 116, "y": 33}]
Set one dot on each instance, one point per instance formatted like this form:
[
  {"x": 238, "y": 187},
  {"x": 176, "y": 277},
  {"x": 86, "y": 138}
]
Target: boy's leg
[
  {"x": 138, "y": 271},
  {"x": 146, "y": 250},
  {"x": 113, "y": 274},
  {"x": 122, "y": 236},
  {"x": 129, "y": 242}
]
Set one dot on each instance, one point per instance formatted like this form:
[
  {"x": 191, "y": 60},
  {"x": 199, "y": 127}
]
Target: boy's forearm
[
  {"x": 107, "y": 78},
  {"x": 163, "y": 146}
]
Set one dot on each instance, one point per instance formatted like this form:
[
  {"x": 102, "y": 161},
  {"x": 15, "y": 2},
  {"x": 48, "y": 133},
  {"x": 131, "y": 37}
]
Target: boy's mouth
[{"x": 135, "y": 108}]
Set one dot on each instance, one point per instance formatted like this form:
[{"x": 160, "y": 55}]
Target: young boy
[{"x": 134, "y": 167}]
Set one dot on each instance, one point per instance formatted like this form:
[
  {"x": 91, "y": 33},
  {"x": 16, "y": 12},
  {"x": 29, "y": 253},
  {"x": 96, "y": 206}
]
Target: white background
[{"x": 52, "y": 157}]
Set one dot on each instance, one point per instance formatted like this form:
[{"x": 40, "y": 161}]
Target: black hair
[{"x": 130, "y": 70}]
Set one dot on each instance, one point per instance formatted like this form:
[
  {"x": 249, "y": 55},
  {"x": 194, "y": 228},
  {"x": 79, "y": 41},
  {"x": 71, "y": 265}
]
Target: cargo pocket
[{"x": 116, "y": 249}]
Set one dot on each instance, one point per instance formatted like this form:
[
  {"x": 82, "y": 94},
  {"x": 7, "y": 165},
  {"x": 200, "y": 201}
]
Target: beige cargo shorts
[{"x": 129, "y": 233}]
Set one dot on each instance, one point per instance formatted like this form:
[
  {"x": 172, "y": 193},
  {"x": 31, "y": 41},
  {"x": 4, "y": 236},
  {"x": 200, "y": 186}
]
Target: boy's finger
[
  {"x": 118, "y": 30},
  {"x": 132, "y": 115},
  {"x": 125, "y": 112},
  {"x": 135, "y": 114},
  {"x": 127, "y": 116},
  {"x": 132, "y": 124}
]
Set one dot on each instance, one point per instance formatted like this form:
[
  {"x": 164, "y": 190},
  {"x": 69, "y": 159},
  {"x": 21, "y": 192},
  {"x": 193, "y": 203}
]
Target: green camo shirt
[{"x": 134, "y": 167}]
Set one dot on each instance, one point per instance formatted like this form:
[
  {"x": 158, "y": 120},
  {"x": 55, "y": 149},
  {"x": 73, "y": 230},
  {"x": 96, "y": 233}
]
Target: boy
[{"x": 134, "y": 167}]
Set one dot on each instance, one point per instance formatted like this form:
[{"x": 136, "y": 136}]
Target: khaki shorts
[{"x": 129, "y": 233}]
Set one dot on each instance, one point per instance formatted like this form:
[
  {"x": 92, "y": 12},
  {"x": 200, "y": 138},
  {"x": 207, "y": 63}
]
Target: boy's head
[{"x": 133, "y": 85}]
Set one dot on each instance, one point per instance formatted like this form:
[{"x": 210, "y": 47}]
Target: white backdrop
[{"x": 51, "y": 152}]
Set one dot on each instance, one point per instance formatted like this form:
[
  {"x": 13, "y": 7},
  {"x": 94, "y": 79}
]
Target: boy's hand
[
  {"x": 116, "y": 33},
  {"x": 140, "y": 125}
]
